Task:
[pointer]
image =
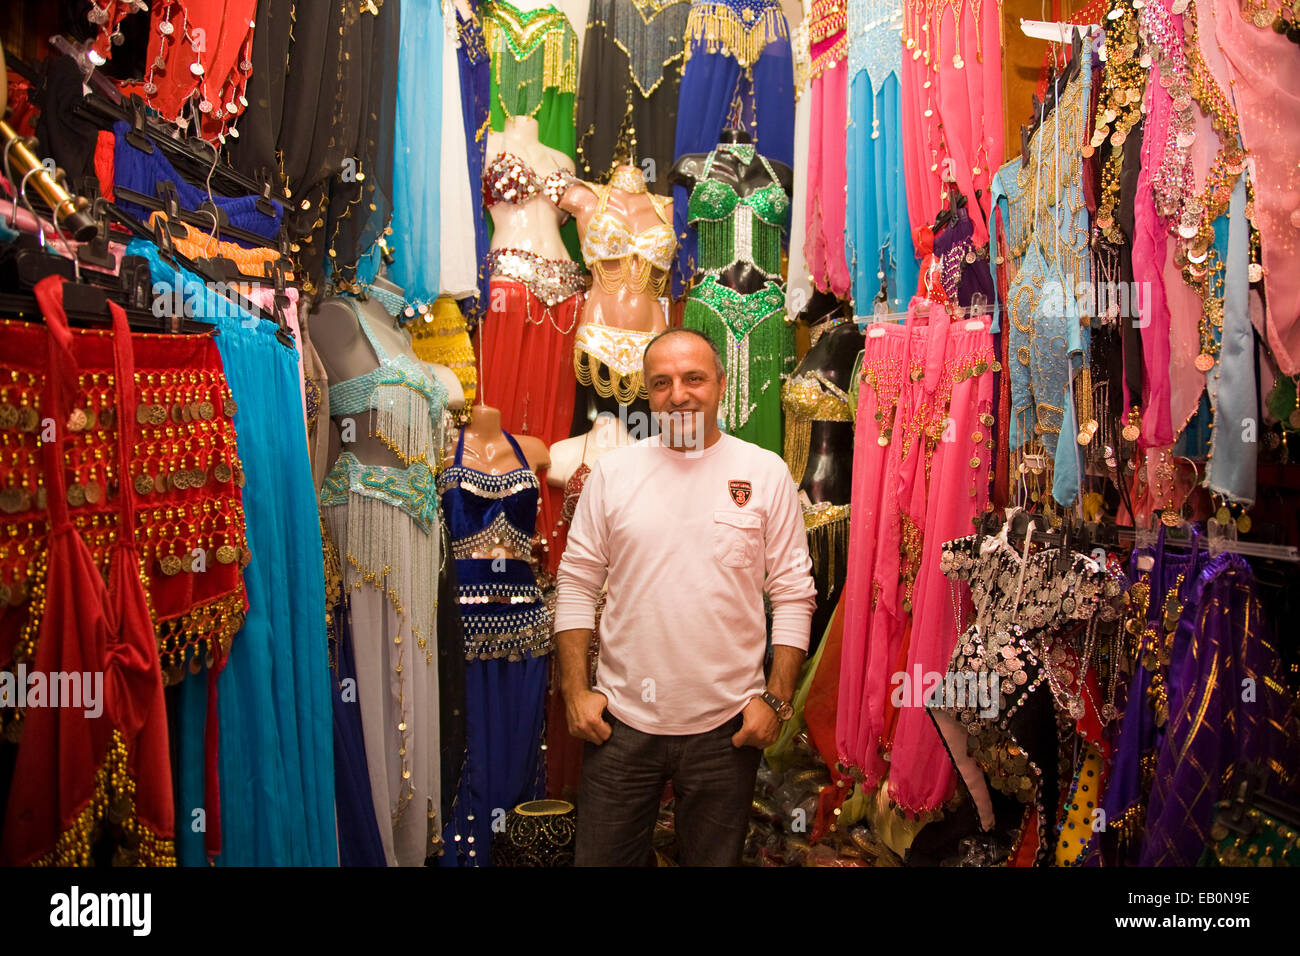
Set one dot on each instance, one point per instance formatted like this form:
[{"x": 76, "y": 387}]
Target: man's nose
[{"x": 680, "y": 392}]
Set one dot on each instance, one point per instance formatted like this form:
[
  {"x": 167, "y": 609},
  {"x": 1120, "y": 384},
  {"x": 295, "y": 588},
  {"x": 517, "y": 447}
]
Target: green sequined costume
[{"x": 751, "y": 331}]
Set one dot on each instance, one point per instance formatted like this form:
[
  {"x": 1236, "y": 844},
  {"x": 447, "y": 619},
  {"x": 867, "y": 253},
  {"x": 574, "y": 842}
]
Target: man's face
[{"x": 685, "y": 390}]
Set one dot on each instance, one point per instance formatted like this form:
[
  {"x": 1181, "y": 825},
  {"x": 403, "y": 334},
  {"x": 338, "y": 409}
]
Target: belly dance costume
[
  {"x": 750, "y": 329},
  {"x": 507, "y": 637},
  {"x": 824, "y": 245},
  {"x": 878, "y": 235},
  {"x": 384, "y": 521},
  {"x": 1023, "y": 679},
  {"x": 628, "y": 94},
  {"x": 475, "y": 101},
  {"x": 921, "y": 471},
  {"x": 605, "y": 357},
  {"x": 526, "y": 340},
  {"x": 739, "y": 67}
]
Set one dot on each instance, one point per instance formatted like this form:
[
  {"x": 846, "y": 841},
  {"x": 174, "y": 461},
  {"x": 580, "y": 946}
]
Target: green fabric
[
  {"x": 758, "y": 350},
  {"x": 780, "y": 754}
]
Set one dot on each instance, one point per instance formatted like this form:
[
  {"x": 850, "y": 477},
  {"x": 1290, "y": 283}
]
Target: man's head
[{"x": 683, "y": 374}]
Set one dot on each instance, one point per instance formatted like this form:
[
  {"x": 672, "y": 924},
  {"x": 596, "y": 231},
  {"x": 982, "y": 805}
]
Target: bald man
[{"x": 687, "y": 530}]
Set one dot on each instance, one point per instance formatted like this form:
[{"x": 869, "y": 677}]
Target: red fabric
[
  {"x": 22, "y": 112},
  {"x": 88, "y": 627},
  {"x": 526, "y": 371},
  {"x": 104, "y": 145}
]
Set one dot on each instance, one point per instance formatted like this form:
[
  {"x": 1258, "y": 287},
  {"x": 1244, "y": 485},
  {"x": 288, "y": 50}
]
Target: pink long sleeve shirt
[{"x": 688, "y": 541}]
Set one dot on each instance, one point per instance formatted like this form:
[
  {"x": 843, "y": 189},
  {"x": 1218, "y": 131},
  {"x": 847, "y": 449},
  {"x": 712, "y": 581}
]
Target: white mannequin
[
  {"x": 607, "y": 433},
  {"x": 346, "y": 354},
  {"x": 624, "y": 309},
  {"x": 535, "y": 225}
]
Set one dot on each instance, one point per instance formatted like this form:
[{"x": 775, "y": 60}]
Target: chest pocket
[{"x": 737, "y": 539}]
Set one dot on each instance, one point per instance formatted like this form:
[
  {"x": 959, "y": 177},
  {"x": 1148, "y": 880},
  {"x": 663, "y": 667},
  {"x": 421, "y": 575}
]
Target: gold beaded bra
[{"x": 620, "y": 258}]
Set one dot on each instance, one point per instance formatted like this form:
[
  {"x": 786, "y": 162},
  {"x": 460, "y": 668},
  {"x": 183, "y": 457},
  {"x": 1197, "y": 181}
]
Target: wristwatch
[{"x": 783, "y": 709}]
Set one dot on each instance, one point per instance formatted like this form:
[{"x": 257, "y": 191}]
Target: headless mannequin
[
  {"x": 535, "y": 225},
  {"x": 487, "y": 450},
  {"x": 829, "y": 474},
  {"x": 607, "y": 433},
  {"x": 346, "y": 353},
  {"x": 463, "y": 8},
  {"x": 624, "y": 308},
  {"x": 744, "y": 179}
]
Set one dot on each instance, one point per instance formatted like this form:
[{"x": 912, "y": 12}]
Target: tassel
[{"x": 718, "y": 28}]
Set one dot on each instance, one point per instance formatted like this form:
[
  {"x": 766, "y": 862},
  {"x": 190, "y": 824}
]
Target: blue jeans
[{"x": 623, "y": 780}]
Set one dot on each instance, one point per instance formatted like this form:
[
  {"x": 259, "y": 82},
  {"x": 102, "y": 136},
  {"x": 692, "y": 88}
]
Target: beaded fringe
[
  {"x": 625, "y": 388},
  {"x": 402, "y": 422},
  {"x": 383, "y": 547},
  {"x": 516, "y": 65},
  {"x": 828, "y": 537},
  {"x": 717, "y": 27},
  {"x": 113, "y": 801},
  {"x": 798, "y": 439}
]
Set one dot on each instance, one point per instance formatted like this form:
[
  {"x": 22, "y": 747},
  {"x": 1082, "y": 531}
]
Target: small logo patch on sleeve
[{"x": 741, "y": 491}]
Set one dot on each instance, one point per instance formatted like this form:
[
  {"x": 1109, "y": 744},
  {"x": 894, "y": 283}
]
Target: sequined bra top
[
  {"x": 713, "y": 199},
  {"x": 509, "y": 179},
  {"x": 737, "y": 229},
  {"x": 484, "y": 510},
  {"x": 608, "y": 236},
  {"x": 814, "y": 397},
  {"x": 408, "y": 400}
]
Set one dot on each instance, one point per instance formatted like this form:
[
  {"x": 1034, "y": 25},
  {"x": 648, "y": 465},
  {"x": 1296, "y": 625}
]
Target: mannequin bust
[
  {"x": 346, "y": 354},
  {"x": 607, "y": 433},
  {"x": 533, "y": 226},
  {"x": 487, "y": 450},
  {"x": 463, "y": 8},
  {"x": 829, "y": 472},
  {"x": 615, "y": 299},
  {"x": 744, "y": 179}
]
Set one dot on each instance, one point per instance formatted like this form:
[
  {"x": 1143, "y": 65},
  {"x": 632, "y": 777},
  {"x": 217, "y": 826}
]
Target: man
[{"x": 689, "y": 528}]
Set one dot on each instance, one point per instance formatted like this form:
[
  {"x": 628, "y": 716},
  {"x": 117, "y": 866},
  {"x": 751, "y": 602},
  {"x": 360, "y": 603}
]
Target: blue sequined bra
[
  {"x": 407, "y": 401},
  {"x": 486, "y": 510}
]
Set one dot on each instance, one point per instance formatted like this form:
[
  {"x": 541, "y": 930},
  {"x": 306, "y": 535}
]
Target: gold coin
[
  {"x": 11, "y": 500},
  {"x": 93, "y": 492},
  {"x": 1294, "y": 418},
  {"x": 195, "y": 411},
  {"x": 171, "y": 565},
  {"x": 226, "y": 554},
  {"x": 222, "y": 471},
  {"x": 981, "y": 367},
  {"x": 76, "y": 495},
  {"x": 142, "y": 414},
  {"x": 157, "y": 415},
  {"x": 986, "y": 419},
  {"x": 187, "y": 562},
  {"x": 106, "y": 418},
  {"x": 160, "y": 482},
  {"x": 8, "y": 416},
  {"x": 143, "y": 484},
  {"x": 1084, "y": 436},
  {"x": 239, "y": 477},
  {"x": 1131, "y": 432},
  {"x": 198, "y": 477},
  {"x": 187, "y": 415},
  {"x": 28, "y": 419},
  {"x": 229, "y": 407},
  {"x": 1243, "y": 523},
  {"x": 1204, "y": 362},
  {"x": 40, "y": 498},
  {"x": 1223, "y": 515},
  {"x": 207, "y": 411},
  {"x": 882, "y": 441},
  {"x": 77, "y": 421},
  {"x": 975, "y": 462},
  {"x": 245, "y": 556},
  {"x": 1170, "y": 518},
  {"x": 177, "y": 414}
]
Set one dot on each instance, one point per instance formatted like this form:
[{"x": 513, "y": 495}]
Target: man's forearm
[
  {"x": 571, "y": 654},
  {"x": 786, "y": 662}
]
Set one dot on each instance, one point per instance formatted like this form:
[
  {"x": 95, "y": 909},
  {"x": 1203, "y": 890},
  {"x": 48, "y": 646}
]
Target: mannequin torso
[
  {"x": 487, "y": 450},
  {"x": 622, "y": 305},
  {"x": 346, "y": 353},
  {"x": 745, "y": 179},
  {"x": 534, "y": 225},
  {"x": 828, "y": 475},
  {"x": 567, "y": 456}
]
